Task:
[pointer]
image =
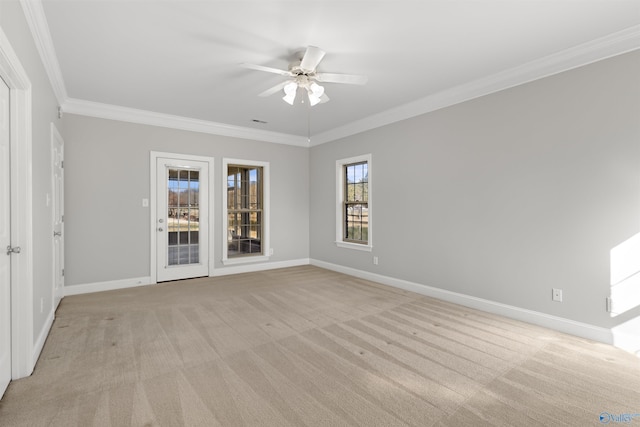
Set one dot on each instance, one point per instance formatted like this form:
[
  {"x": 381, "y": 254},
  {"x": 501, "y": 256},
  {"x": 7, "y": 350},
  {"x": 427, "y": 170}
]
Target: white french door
[
  {"x": 5, "y": 240},
  {"x": 182, "y": 219}
]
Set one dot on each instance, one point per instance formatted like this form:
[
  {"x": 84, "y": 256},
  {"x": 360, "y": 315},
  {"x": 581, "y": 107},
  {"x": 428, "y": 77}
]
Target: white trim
[
  {"x": 354, "y": 246},
  {"x": 245, "y": 260},
  {"x": 266, "y": 196},
  {"x": 605, "y": 47},
  {"x": 568, "y": 326},
  {"x": 340, "y": 164},
  {"x": 42, "y": 336},
  {"x": 153, "y": 187},
  {"x": 21, "y": 210},
  {"x": 88, "y": 288},
  {"x": 252, "y": 268},
  {"x": 125, "y": 114},
  {"x": 37, "y": 21}
]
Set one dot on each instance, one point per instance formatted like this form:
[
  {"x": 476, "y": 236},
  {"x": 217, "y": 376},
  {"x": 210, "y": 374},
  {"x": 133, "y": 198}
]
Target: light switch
[{"x": 145, "y": 203}]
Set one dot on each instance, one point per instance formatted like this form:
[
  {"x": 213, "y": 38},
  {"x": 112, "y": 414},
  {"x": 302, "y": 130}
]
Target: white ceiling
[{"x": 181, "y": 58}]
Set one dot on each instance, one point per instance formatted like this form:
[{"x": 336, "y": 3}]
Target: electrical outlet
[
  {"x": 556, "y": 295},
  {"x": 41, "y": 305},
  {"x": 271, "y": 251},
  {"x": 375, "y": 260}
]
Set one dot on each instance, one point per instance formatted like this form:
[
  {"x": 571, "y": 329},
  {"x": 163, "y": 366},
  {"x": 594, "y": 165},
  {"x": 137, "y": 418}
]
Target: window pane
[
  {"x": 244, "y": 210},
  {"x": 351, "y": 192},
  {"x": 183, "y": 238},
  {"x": 356, "y": 196},
  {"x": 194, "y": 254},
  {"x": 356, "y": 222},
  {"x": 183, "y": 179}
]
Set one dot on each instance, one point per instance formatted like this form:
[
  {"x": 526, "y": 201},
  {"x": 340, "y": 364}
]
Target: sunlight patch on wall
[
  {"x": 625, "y": 276},
  {"x": 627, "y": 336}
]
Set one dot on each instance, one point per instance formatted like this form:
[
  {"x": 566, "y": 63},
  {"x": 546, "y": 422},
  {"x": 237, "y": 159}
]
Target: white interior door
[
  {"x": 5, "y": 241},
  {"x": 182, "y": 225},
  {"x": 57, "y": 158}
]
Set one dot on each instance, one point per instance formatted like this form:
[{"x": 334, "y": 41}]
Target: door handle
[
  {"x": 57, "y": 233},
  {"x": 160, "y": 229},
  {"x": 13, "y": 250}
]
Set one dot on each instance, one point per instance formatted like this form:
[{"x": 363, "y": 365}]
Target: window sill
[
  {"x": 245, "y": 260},
  {"x": 356, "y": 246}
]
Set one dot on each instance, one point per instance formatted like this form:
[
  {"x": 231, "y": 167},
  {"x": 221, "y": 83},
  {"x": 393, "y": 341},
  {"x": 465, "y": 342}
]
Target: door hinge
[
  {"x": 63, "y": 272},
  {"x": 62, "y": 164}
]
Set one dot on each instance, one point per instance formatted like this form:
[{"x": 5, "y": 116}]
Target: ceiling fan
[{"x": 303, "y": 75}]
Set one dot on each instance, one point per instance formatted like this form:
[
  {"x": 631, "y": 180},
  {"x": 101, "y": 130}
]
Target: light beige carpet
[{"x": 309, "y": 347}]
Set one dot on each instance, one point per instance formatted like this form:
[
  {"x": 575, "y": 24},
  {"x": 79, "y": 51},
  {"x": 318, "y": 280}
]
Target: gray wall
[
  {"x": 503, "y": 197},
  {"x": 44, "y": 112},
  {"x": 107, "y": 176}
]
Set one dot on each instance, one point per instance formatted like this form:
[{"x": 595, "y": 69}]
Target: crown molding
[
  {"x": 602, "y": 48},
  {"x": 132, "y": 115},
  {"x": 605, "y": 47},
  {"x": 37, "y": 21}
]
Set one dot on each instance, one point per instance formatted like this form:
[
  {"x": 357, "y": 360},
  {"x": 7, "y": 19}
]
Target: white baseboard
[
  {"x": 568, "y": 326},
  {"x": 38, "y": 345},
  {"x": 107, "y": 286},
  {"x": 252, "y": 268},
  {"x": 143, "y": 281}
]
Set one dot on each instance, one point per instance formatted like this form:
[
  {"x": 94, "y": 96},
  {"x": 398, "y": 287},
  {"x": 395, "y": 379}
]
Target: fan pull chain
[{"x": 309, "y": 123}]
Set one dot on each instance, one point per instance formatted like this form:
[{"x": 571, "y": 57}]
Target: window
[
  {"x": 353, "y": 213},
  {"x": 245, "y": 201}
]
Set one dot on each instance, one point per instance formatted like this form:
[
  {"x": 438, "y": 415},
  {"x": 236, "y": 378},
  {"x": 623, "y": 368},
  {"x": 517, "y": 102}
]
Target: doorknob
[
  {"x": 160, "y": 229},
  {"x": 57, "y": 233}
]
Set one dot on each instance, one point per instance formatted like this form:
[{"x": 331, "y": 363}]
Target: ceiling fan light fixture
[
  {"x": 290, "y": 98},
  {"x": 316, "y": 89},
  {"x": 313, "y": 100},
  {"x": 304, "y": 75},
  {"x": 290, "y": 90}
]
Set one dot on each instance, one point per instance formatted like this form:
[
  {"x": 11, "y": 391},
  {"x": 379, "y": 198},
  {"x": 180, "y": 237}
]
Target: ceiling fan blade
[
  {"x": 312, "y": 58},
  {"x": 351, "y": 79},
  {"x": 267, "y": 69},
  {"x": 274, "y": 89}
]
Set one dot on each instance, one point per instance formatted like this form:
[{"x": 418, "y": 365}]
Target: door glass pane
[{"x": 183, "y": 217}]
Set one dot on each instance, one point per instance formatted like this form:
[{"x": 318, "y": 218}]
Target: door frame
[
  {"x": 22, "y": 347},
  {"x": 57, "y": 293},
  {"x": 153, "y": 214}
]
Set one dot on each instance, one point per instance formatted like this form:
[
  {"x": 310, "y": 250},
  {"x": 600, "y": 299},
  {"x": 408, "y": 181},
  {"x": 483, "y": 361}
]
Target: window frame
[
  {"x": 340, "y": 241},
  {"x": 265, "y": 247}
]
